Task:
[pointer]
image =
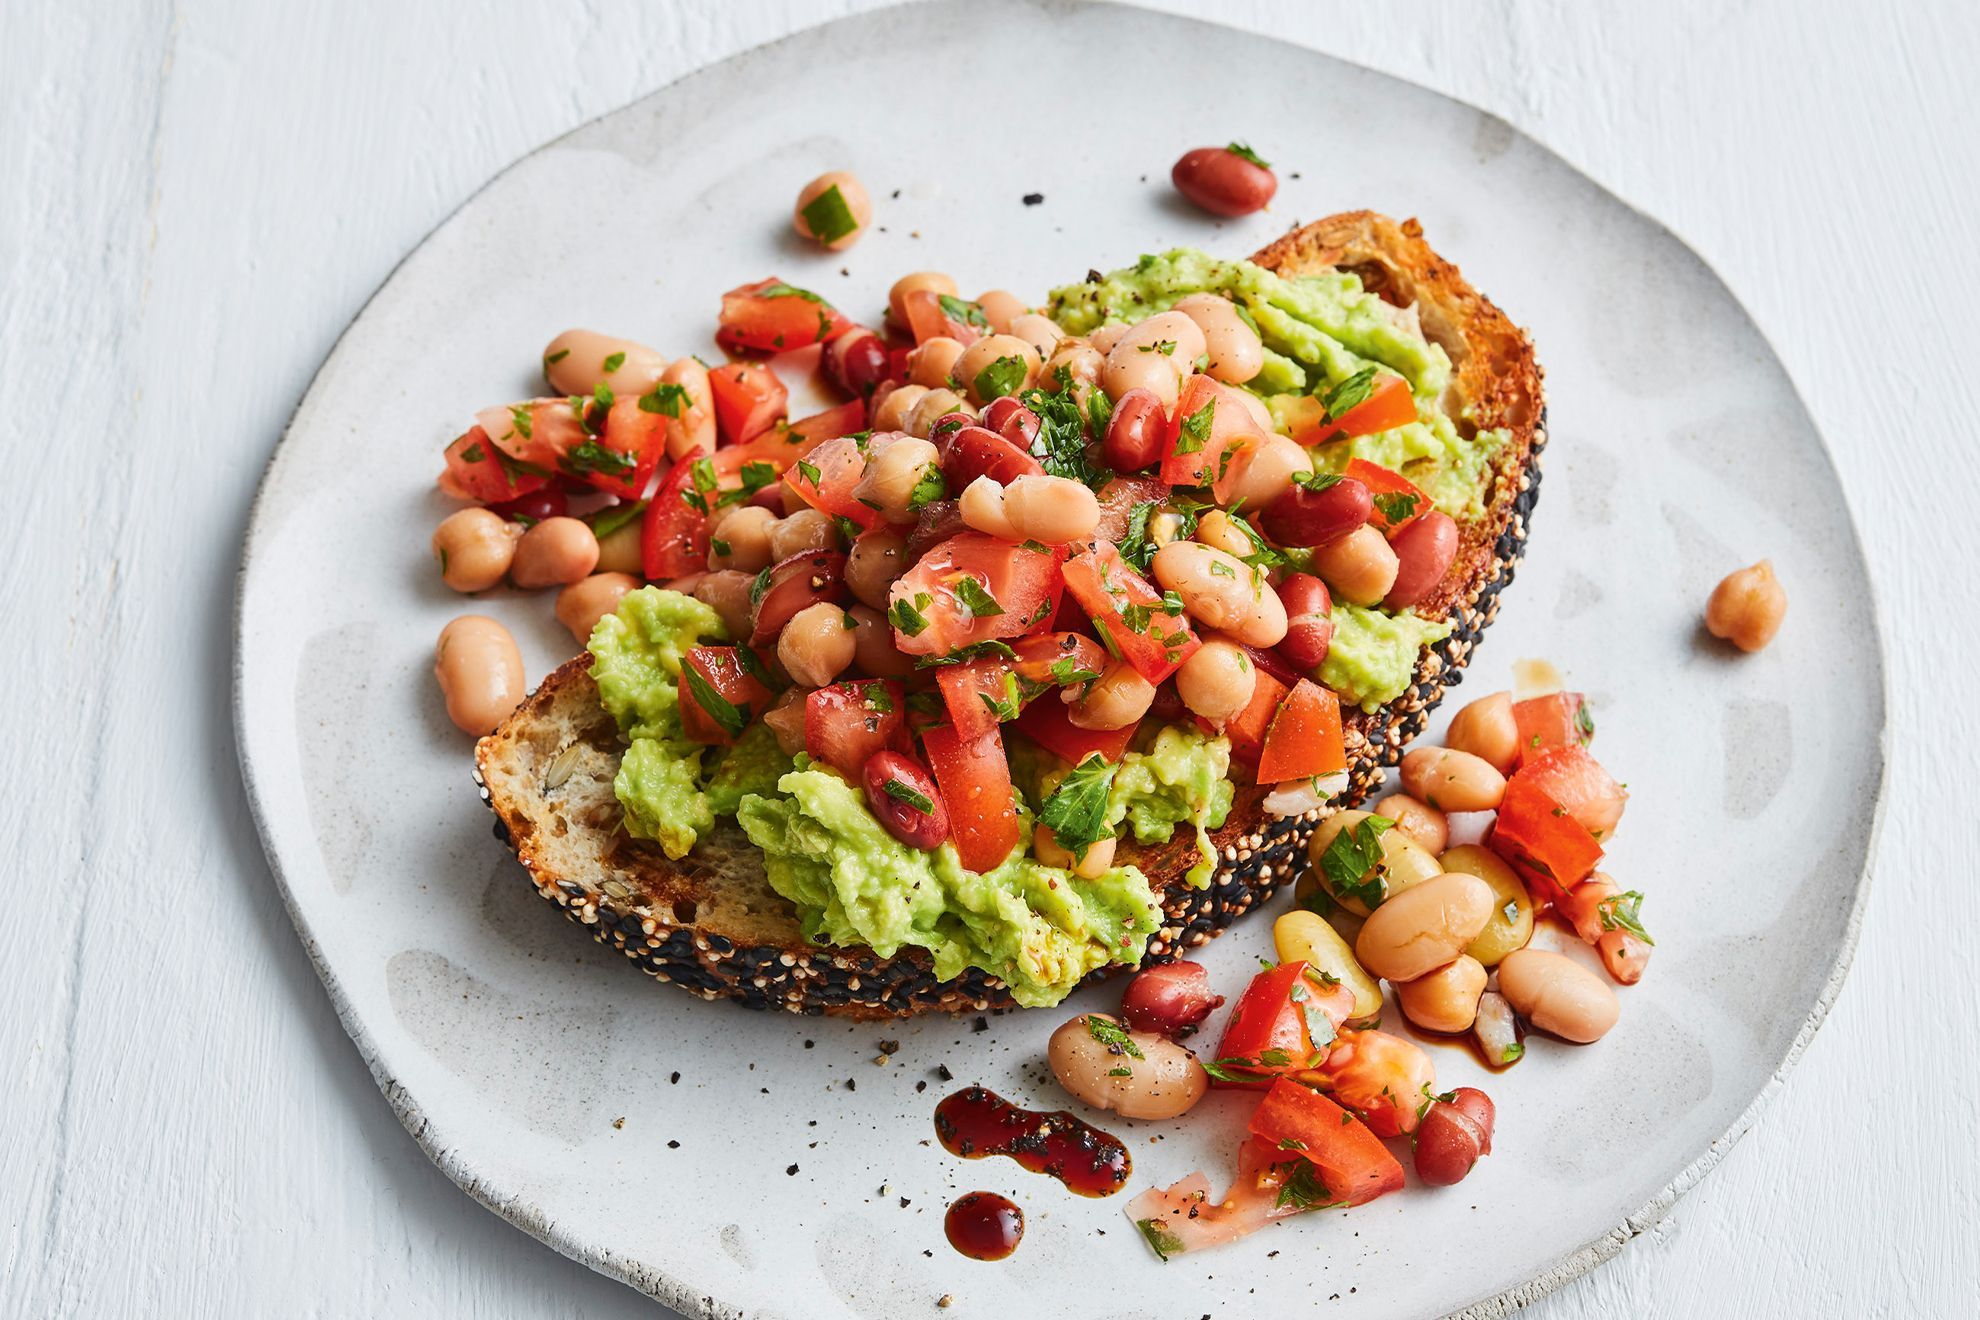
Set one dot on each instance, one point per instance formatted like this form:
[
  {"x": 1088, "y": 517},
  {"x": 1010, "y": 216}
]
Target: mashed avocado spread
[
  {"x": 1373, "y": 654},
  {"x": 1039, "y": 928}
]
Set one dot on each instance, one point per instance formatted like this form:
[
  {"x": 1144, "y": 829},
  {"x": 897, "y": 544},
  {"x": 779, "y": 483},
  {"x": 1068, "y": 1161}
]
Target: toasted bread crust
[{"x": 710, "y": 922}]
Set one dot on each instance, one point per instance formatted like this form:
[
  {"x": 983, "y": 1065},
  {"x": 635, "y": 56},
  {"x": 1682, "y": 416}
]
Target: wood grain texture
[{"x": 203, "y": 194}]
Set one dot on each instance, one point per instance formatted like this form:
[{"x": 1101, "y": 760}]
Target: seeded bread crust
[{"x": 710, "y": 922}]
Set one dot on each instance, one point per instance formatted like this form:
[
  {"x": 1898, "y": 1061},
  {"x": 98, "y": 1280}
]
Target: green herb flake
[
  {"x": 829, "y": 216},
  {"x": 667, "y": 399},
  {"x": 552, "y": 359},
  {"x": 1195, "y": 430},
  {"x": 1624, "y": 912},
  {"x": 978, "y": 601},
  {"x": 928, "y": 488},
  {"x": 1161, "y": 1239},
  {"x": 1243, "y": 152},
  {"x": 907, "y": 793},
  {"x": 1112, "y": 1035},
  {"x": 962, "y": 311},
  {"x": 1316, "y": 481},
  {"x": 1396, "y": 506},
  {"x": 908, "y": 619},
  {"x": 1349, "y": 394},
  {"x": 808, "y": 472},
  {"x": 1354, "y": 863},
  {"x": 613, "y": 362},
  {"x": 1076, "y": 813},
  {"x": 724, "y": 712},
  {"x": 1004, "y": 376}
]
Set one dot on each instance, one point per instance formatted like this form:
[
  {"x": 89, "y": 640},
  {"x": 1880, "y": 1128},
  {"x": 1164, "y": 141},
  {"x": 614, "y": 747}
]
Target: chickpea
[
  {"x": 1303, "y": 936},
  {"x": 892, "y": 473},
  {"x": 1425, "y": 824},
  {"x": 933, "y": 363},
  {"x": 554, "y": 553},
  {"x": 1511, "y": 925},
  {"x": 817, "y": 644},
  {"x": 582, "y": 604},
  {"x": 1000, "y": 308},
  {"x": 802, "y": 532},
  {"x": 1359, "y": 568},
  {"x": 1424, "y": 927},
  {"x": 1264, "y": 472},
  {"x": 1747, "y": 608},
  {"x": 1444, "y": 1000},
  {"x": 1051, "y": 510},
  {"x": 575, "y": 362},
  {"x": 1405, "y": 863},
  {"x": 740, "y": 539},
  {"x": 1452, "y": 781},
  {"x": 1558, "y": 995},
  {"x": 890, "y": 410},
  {"x": 973, "y": 368},
  {"x": 1236, "y": 353},
  {"x": 1099, "y": 855},
  {"x": 878, "y": 557},
  {"x": 874, "y": 651},
  {"x": 786, "y": 720},
  {"x": 982, "y": 509},
  {"x": 1216, "y": 681},
  {"x": 1114, "y": 700},
  {"x": 1157, "y": 1079},
  {"x": 1222, "y": 591},
  {"x": 475, "y": 548},
  {"x": 1081, "y": 362},
  {"x": 930, "y": 409},
  {"x": 1221, "y": 531},
  {"x": 815, "y": 211},
  {"x": 1041, "y": 332},
  {"x": 933, "y": 281},
  {"x": 618, "y": 550},
  {"x": 1487, "y": 730},
  {"x": 691, "y": 433},
  {"x": 727, "y": 593},
  {"x": 480, "y": 672}
]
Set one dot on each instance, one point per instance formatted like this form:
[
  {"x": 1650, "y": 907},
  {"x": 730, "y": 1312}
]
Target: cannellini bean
[
  {"x": 982, "y": 509},
  {"x": 1452, "y": 781},
  {"x": 1303, "y": 936},
  {"x": 1235, "y": 351},
  {"x": 1511, "y": 923},
  {"x": 582, "y": 604},
  {"x": 1216, "y": 681},
  {"x": 554, "y": 553},
  {"x": 1425, "y": 824},
  {"x": 1148, "y": 1076},
  {"x": 480, "y": 673},
  {"x": 1051, "y": 510},
  {"x": 1746, "y": 608},
  {"x": 1558, "y": 995},
  {"x": 475, "y": 548},
  {"x": 1221, "y": 531},
  {"x": 1222, "y": 591},
  {"x": 579, "y": 361},
  {"x": 1487, "y": 730},
  {"x": 1424, "y": 927},
  {"x": 817, "y": 644},
  {"x": 1445, "y": 999},
  {"x": 1264, "y": 472}
]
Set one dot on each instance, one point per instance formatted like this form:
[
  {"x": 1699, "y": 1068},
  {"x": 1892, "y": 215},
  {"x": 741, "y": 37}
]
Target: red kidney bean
[
  {"x": 783, "y": 589},
  {"x": 1453, "y": 1135},
  {"x": 912, "y": 808},
  {"x": 1309, "y": 620},
  {"x": 943, "y": 434},
  {"x": 1000, "y": 411},
  {"x": 1020, "y": 427},
  {"x": 855, "y": 362},
  {"x": 1317, "y": 517},
  {"x": 535, "y": 506},
  {"x": 1134, "y": 433},
  {"x": 1170, "y": 999},
  {"x": 1223, "y": 182},
  {"x": 1424, "y": 550}
]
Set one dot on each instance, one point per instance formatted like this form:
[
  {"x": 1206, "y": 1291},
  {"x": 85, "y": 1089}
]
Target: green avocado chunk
[{"x": 1373, "y": 654}]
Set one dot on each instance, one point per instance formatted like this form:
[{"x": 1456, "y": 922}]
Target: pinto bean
[
  {"x": 1445, "y": 999},
  {"x": 1222, "y": 591},
  {"x": 1309, "y": 620},
  {"x": 475, "y": 548},
  {"x": 1452, "y": 781},
  {"x": 582, "y": 604},
  {"x": 1299, "y": 516},
  {"x": 1136, "y": 1074},
  {"x": 1424, "y": 927},
  {"x": 1558, "y": 995},
  {"x": 480, "y": 673},
  {"x": 1223, "y": 182},
  {"x": 1486, "y": 729},
  {"x": 554, "y": 553},
  {"x": 1135, "y": 431}
]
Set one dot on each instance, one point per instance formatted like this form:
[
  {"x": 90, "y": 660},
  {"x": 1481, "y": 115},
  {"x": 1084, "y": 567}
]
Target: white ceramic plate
[{"x": 511, "y": 1045}]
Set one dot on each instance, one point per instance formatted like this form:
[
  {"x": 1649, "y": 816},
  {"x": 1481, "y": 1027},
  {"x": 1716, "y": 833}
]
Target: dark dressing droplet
[
  {"x": 984, "y": 1225},
  {"x": 975, "y": 1124}
]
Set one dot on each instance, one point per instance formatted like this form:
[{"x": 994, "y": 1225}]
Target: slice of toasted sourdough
[{"x": 711, "y": 923}]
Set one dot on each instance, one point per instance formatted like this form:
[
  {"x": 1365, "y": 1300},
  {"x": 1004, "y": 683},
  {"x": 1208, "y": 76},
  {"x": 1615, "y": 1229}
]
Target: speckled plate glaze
[{"x": 737, "y": 1163}]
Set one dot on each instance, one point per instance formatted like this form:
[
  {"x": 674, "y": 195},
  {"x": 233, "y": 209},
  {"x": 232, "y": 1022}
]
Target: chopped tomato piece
[
  {"x": 1181, "y": 1217},
  {"x": 979, "y": 695},
  {"x": 1118, "y": 499},
  {"x": 1128, "y": 613},
  {"x": 1398, "y": 501},
  {"x": 1559, "y": 719},
  {"x": 1577, "y": 781},
  {"x": 538, "y": 432},
  {"x": 1305, "y": 736},
  {"x": 722, "y": 689},
  {"x": 620, "y": 459},
  {"x": 1389, "y": 404},
  {"x": 976, "y": 452},
  {"x": 478, "y": 470},
  {"x": 771, "y": 316},
  {"x": 674, "y": 536},
  {"x": 1284, "y": 1021},
  {"x": 1539, "y": 838},
  {"x": 974, "y": 588},
  {"x": 983, "y": 693},
  {"x": 937, "y": 315},
  {"x": 1249, "y": 728},
  {"x": 749, "y": 399},
  {"x": 975, "y": 778},
  {"x": 826, "y": 477},
  {"x": 846, "y": 723},
  {"x": 1047, "y": 724},
  {"x": 1353, "y": 1163},
  {"x": 1211, "y": 426},
  {"x": 1381, "y": 1077}
]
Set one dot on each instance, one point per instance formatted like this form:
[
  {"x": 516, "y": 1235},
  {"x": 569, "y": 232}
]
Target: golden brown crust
[{"x": 710, "y": 922}]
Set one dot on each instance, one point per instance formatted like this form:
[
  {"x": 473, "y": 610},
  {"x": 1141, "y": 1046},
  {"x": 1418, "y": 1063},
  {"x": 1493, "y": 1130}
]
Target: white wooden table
[{"x": 199, "y": 195}]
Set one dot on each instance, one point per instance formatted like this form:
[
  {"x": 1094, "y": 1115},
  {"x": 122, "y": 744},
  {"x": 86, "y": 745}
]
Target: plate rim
[{"x": 679, "y": 1293}]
